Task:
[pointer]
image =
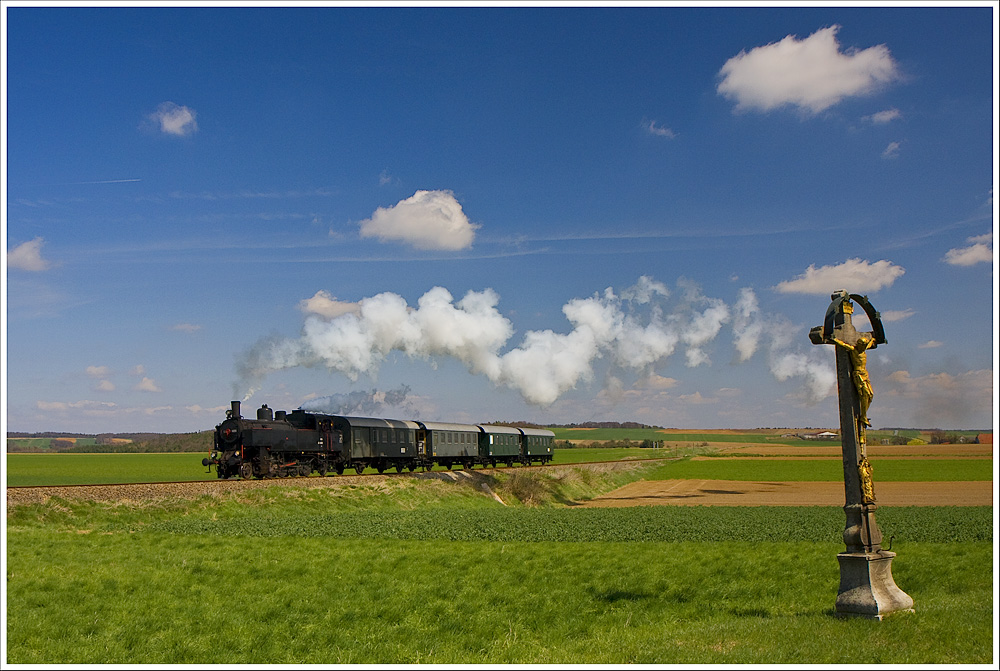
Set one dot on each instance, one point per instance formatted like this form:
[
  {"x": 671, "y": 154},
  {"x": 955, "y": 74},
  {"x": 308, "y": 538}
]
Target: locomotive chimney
[{"x": 236, "y": 410}]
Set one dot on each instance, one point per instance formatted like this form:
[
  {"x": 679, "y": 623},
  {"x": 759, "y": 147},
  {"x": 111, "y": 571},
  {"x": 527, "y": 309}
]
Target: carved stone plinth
[{"x": 867, "y": 588}]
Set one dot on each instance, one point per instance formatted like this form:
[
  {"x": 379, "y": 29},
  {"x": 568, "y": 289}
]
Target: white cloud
[
  {"x": 28, "y": 256},
  {"x": 885, "y": 116},
  {"x": 853, "y": 275},
  {"x": 811, "y": 74},
  {"x": 186, "y": 328},
  {"x": 426, "y": 220},
  {"x": 660, "y": 131},
  {"x": 138, "y": 370},
  {"x": 105, "y": 385},
  {"x": 147, "y": 384},
  {"x": 981, "y": 251},
  {"x": 326, "y": 305},
  {"x": 891, "y": 151},
  {"x": 98, "y": 371},
  {"x": 87, "y": 406},
  {"x": 174, "y": 119},
  {"x": 930, "y": 344},
  {"x": 897, "y": 315}
]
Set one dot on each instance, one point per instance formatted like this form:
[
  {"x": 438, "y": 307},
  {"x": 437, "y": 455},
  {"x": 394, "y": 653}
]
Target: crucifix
[{"x": 866, "y": 584}]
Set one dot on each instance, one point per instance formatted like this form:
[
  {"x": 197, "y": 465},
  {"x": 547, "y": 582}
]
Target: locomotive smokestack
[{"x": 236, "y": 410}]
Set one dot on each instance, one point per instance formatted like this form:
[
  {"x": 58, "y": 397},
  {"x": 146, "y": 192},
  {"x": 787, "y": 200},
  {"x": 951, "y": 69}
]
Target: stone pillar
[{"x": 866, "y": 585}]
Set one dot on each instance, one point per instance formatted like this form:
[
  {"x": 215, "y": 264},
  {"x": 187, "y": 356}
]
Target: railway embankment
[{"x": 547, "y": 485}]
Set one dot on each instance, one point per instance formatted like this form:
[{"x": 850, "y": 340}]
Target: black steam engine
[{"x": 280, "y": 444}]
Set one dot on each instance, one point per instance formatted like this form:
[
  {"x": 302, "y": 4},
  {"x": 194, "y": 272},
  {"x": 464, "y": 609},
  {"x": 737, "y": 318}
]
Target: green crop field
[
  {"x": 420, "y": 570},
  {"x": 77, "y": 469},
  {"x": 825, "y": 470},
  {"x": 86, "y": 469}
]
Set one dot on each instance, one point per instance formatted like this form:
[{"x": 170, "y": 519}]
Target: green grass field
[
  {"x": 85, "y": 469},
  {"x": 423, "y": 570},
  {"x": 441, "y": 574},
  {"x": 76, "y": 469}
]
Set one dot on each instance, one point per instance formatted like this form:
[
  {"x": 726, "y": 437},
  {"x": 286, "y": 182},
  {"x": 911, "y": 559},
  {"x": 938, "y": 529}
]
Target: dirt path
[{"x": 739, "y": 493}]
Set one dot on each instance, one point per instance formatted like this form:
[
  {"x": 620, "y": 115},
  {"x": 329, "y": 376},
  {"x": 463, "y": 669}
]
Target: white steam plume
[{"x": 632, "y": 330}]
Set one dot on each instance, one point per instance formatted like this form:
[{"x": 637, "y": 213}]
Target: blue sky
[{"x": 537, "y": 213}]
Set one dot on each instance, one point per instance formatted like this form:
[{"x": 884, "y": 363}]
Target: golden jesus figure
[{"x": 859, "y": 372}]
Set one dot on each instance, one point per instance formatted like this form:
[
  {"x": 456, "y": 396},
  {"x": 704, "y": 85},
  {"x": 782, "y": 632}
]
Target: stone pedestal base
[{"x": 867, "y": 588}]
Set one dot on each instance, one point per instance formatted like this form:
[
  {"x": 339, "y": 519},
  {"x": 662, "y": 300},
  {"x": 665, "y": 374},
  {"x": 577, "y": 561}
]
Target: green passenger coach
[
  {"x": 536, "y": 445},
  {"x": 499, "y": 444}
]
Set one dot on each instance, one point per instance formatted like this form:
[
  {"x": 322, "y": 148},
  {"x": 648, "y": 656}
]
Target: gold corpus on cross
[{"x": 857, "y": 353}]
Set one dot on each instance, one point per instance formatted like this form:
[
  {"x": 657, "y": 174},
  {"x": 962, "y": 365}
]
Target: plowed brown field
[{"x": 739, "y": 493}]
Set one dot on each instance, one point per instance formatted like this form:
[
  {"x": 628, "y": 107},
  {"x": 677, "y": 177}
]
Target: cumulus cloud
[
  {"x": 104, "y": 385},
  {"x": 853, "y": 275},
  {"x": 980, "y": 251},
  {"x": 28, "y": 256},
  {"x": 147, "y": 384},
  {"x": 173, "y": 119},
  {"x": 425, "y": 220},
  {"x": 811, "y": 74},
  {"x": 98, "y": 371},
  {"x": 325, "y": 305}
]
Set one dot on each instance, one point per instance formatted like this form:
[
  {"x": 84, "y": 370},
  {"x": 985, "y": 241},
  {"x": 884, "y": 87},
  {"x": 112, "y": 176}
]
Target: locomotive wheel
[
  {"x": 412, "y": 467},
  {"x": 428, "y": 467},
  {"x": 246, "y": 470},
  {"x": 305, "y": 470},
  {"x": 322, "y": 470},
  {"x": 340, "y": 469},
  {"x": 399, "y": 468},
  {"x": 359, "y": 468}
]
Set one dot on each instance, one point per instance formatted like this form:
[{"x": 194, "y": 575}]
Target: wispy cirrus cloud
[
  {"x": 659, "y": 131},
  {"x": 811, "y": 74},
  {"x": 891, "y": 151},
  {"x": 186, "y": 328},
  {"x": 883, "y": 117}
]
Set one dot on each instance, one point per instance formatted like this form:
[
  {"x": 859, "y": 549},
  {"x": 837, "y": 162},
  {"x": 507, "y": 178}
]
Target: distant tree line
[
  {"x": 155, "y": 442},
  {"x": 605, "y": 425}
]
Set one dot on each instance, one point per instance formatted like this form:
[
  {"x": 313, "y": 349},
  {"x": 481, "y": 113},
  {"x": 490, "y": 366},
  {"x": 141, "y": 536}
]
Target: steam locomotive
[{"x": 282, "y": 444}]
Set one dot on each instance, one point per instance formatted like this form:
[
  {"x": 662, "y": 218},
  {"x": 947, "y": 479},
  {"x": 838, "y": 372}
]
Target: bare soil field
[{"x": 738, "y": 493}]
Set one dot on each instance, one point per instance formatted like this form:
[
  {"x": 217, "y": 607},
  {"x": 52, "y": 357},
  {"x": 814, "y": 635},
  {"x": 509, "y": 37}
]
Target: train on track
[{"x": 299, "y": 443}]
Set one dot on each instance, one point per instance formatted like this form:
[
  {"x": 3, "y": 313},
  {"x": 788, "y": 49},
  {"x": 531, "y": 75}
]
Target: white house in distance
[{"x": 822, "y": 435}]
